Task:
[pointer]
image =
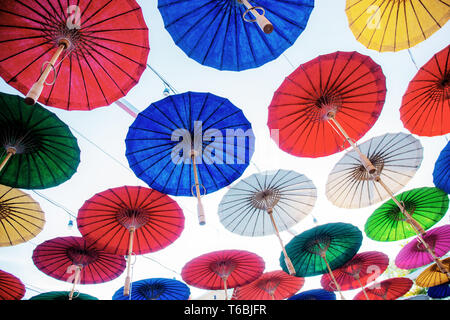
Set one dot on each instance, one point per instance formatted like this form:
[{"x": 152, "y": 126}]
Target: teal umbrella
[{"x": 323, "y": 249}]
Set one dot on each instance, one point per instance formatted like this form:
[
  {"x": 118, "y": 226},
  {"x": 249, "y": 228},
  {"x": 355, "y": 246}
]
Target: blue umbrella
[
  {"x": 440, "y": 291},
  {"x": 190, "y": 144},
  {"x": 315, "y": 294},
  {"x": 220, "y": 33},
  {"x": 155, "y": 289},
  {"x": 441, "y": 172}
]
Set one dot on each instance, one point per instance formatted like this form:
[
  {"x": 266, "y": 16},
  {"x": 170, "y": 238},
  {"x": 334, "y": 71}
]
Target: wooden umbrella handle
[
  {"x": 338, "y": 287},
  {"x": 264, "y": 24},
  {"x": 75, "y": 281},
  {"x": 126, "y": 288},
  {"x": 200, "y": 209},
  {"x": 36, "y": 90},
  {"x": 9, "y": 153},
  {"x": 287, "y": 260}
]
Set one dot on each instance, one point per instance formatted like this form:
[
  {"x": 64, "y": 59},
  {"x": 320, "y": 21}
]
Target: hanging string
[
  {"x": 289, "y": 61},
  {"x": 412, "y": 59},
  {"x": 167, "y": 84}
]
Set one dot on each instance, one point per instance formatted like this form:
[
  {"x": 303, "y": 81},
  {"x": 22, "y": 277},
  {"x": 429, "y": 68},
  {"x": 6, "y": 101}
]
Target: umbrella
[
  {"x": 128, "y": 219},
  {"x": 37, "y": 149},
  {"x": 362, "y": 269},
  {"x": 11, "y": 288},
  {"x": 414, "y": 254},
  {"x": 190, "y": 141},
  {"x": 389, "y": 289},
  {"x": 323, "y": 249},
  {"x": 219, "y": 34},
  {"x": 267, "y": 203},
  {"x": 72, "y": 259},
  {"x": 82, "y": 52},
  {"x": 439, "y": 292},
  {"x": 223, "y": 269},
  {"x": 426, "y": 205},
  {"x": 441, "y": 171},
  {"x": 395, "y": 156},
  {"x": 272, "y": 285},
  {"x": 155, "y": 289},
  {"x": 314, "y": 294},
  {"x": 62, "y": 295},
  {"x": 433, "y": 275},
  {"x": 425, "y": 105},
  {"x": 385, "y": 25},
  {"x": 327, "y": 104},
  {"x": 21, "y": 218},
  {"x": 420, "y": 209}
]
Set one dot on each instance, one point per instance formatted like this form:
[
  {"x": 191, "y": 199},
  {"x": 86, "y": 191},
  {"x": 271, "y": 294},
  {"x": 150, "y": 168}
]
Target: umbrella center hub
[
  {"x": 397, "y": 215},
  {"x": 80, "y": 256},
  {"x": 326, "y": 106},
  {"x": 222, "y": 268},
  {"x": 266, "y": 199},
  {"x": 442, "y": 90},
  {"x": 15, "y": 136},
  {"x": 5, "y": 211},
  {"x": 269, "y": 285},
  {"x": 361, "y": 174},
  {"x": 431, "y": 242},
  {"x": 319, "y": 245},
  {"x": 132, "y": 217},
  {"x": 152, "y": 292}
]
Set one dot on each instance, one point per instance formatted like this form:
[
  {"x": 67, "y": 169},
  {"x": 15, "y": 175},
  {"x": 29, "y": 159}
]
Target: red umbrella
[
  {"x": 390, "y": 289},
  {"x": 273, "y": 285},
  {"x": 327, "y": 104},
  {"x": 362, "y": 269},
  {"x": 425, "y": 108},
  {"x": 73, "y": 259},
  {"x": 415, "y": 255},
  {"x": 223, "y": 269},
  {"x": 130, "y": 219},
  {"x": 81, "y": 49},
  {"x": 11, "y": 288}
]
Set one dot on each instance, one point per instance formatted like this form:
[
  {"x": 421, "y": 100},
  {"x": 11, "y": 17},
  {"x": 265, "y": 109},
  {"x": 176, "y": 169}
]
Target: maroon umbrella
[
  {"x": 414, "y": 254},
  {"x": 11, "y": 288},
  {"x": 223, "y": 269},
  {"x": 389, "y": 289},
  {"x": 362, "y": 269},
  {"x": 72, "y": 259},
  {"x": 273, "y": 285}
]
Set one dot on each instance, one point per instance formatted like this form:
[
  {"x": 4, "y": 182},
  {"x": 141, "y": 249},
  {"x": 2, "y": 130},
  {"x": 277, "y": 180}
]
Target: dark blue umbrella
[
  {"x": 440, "y": 291},
  {"x": 220, "y": 33},
  {"x": 441, "y": 172},
  {"x": 315, "y": 294},
  {"x": 190, "y": 144},
  {"x": 155, "y": 289}
]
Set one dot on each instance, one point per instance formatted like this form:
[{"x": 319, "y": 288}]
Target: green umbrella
[
  {"x": 62, "y": 295},
  {"x": 426, "y": 205},
  {"x": 323, "y": 249},
  {"x": 39, "y": 150}
]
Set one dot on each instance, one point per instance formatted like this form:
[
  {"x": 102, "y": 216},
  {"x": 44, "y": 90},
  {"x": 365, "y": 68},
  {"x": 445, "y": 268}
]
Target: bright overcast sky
[{"x": 101, "y": 136}]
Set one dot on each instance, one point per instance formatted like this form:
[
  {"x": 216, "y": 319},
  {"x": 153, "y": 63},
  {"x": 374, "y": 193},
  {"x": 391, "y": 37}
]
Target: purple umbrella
[{"x": 414, "y": 255}]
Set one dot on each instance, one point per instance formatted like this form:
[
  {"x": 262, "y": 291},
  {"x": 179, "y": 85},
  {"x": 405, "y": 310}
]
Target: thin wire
[
  {"x": 289, "y": 61},
  {"x": 162, "y": 265},
  {"x": 167, "y": 84},
  {"x": 70, "y": 213},
  {"x": 412, "y": 59},
  {"x": 99, "y": 148}
]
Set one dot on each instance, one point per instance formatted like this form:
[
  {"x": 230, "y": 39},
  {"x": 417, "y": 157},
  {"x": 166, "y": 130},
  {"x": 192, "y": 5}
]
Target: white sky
[{"x": 252, "y": 91}]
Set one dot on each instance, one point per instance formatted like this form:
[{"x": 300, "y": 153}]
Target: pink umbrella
[{"x": 414, "y": 255}]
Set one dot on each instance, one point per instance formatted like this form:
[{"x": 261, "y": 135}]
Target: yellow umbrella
[
  {"x": 433, "y": 276},
  {"x": 21, "y": 218},
  {"x": 387, "y": 25}
]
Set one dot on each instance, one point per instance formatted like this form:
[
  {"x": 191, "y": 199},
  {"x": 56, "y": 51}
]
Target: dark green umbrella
[
  {"x": 323, "y": 249},
  {"x": 37, "y": 150},
  {"x": 426, "y": 205},
  {"x": 62, "y": 295}
]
